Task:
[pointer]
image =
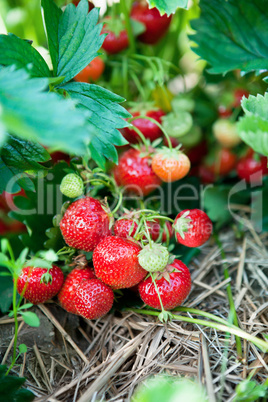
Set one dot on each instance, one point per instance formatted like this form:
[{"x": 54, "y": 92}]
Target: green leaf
[
  {"x": 30, "y": 318},
  {"x": 52, "y": 15},
  {"x": 38, "y": 209},
  {"x": 25, "y": 306},
  {"x": 16, "y": 157},
  {"x": 221, "y": 197},
  {"x": 79, "y": 39},
  {"x": 168, "y": 6},
  {"x": 29, "y": 112},
  {"x": 18, "y": 52},
  {"x": 6, "y": 291},
  {"x": 250, "y": 391},
  {"x": 232, "y": 35},
  {"x": 253, "y": 127},
  {"x": 106, "y": 116},
  {"x": 10, "y": 388},
  {"x": 22, "y": 348}
]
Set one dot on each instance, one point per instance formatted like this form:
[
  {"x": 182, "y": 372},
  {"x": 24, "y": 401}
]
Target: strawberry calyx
[
  {"x": 183, "y": 224},
  {"x": 169, "y": 269},
  {"x": 114, "y": 25},
  {"x": 44, "y": 259},
  {"x": 167, "y": 153}
]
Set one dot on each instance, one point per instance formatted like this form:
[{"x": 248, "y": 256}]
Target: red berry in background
[
  {"x": 115, "y": 261},
  {"x": 35, "y": 290},
  {"x": 224, "y": 112},
  {"x": 127, "y": 228},
  {"x": 155, "y": 24},
  {"x": 67, "y": 292},
  {"x": 197, "y": 153},
  {"x": 85, "y": 223},
  {"x": 252, "y": 168},
  {"x": 238, "y": 95},
  {"x": 149, "y": 129},
  {"x": 174, "y": 285},
  {"x": 225, "y": 162},
  {"x": 114, "y": 43},
  {"x": 192, "y": 227},
  {"x": 93, "y": 299},
  {"x": 135, "y": 173},
  {"x": 92, "y": 72}
]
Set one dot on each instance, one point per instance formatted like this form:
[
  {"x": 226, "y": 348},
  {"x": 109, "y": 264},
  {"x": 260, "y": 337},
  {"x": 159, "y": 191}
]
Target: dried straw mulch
[{"x": 108, "y": 358}]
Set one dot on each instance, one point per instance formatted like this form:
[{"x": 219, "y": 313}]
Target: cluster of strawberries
[{"x": 125, "y": 254}]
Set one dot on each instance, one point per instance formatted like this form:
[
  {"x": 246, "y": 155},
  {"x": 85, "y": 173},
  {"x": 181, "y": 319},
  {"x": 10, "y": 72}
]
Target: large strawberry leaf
[
  {"x": 38, "y": 208},
  {"x": 106, "y": 116},
  {"x": 29, "y": 112},
  {"x": 73, "y": 37},
  {"x": 19, "y": 52},
  {"x": 253, "y": 127},
  {"x": 16, "y": 157},
  {"x": 232, "y": 35},
  {"x": 168, "y": 6},
  {"x": 10, "y": 387}
]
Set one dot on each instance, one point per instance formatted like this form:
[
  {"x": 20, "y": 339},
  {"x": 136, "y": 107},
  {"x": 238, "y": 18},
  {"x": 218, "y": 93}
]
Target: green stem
[
  {"x": 229, "y": 328},
  {"x": 157, "y": 291},
  {"x": 202, "y": 313},
  {"x": 118, "y": 204},
  {"x": 232, "y": 316},
  {"x": 125, "y": 11},
  {"x": 15, "y": 311},
  {"x": 158, "y": 125}
]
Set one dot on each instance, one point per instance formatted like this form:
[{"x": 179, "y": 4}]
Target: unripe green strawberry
[
  {"x": 153, "y": 257},
  {"x": 72, "y": 185}
]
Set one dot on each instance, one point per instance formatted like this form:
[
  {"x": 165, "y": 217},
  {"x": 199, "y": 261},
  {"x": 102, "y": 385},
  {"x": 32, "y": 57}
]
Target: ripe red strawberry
[
  {"x": 193, "y": 227},
  {"x": 117, "y": 38},
  {"x": 116, "y": 262},
  {"x": 149, "y": 129},
  {"x": 85, "y": 223},
  {"x": 93, "y": 299},
  {"x": 67, "y": 292},
  {"x": 155, "y": 23},
  {"x": 252, "y": 167},
  {"x": 135, "y": 173},
  {"x": 174, "y": 285},
  {"x": 37, "y": 291},
  {"x": 127, "y": 228}
]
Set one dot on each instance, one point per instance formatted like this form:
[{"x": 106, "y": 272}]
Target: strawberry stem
[
  {"x": 157, "y": 291},
  {"x": 226, "y": 327},
  {"x": 119, "y": 203},
  {"x": 158, "y": 125}
]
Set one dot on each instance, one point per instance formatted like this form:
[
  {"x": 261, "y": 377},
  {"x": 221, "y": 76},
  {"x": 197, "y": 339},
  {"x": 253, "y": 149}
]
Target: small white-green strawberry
[
  {"x": 153, "y": 257},
  {"x": 72, "y": 185}
]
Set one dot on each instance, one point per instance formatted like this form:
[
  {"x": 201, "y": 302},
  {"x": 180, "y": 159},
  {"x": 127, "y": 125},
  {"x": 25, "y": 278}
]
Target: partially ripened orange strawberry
[{"x": 170, "y": 164}]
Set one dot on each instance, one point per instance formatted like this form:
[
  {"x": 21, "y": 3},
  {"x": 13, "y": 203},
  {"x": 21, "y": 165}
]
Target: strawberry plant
[{"x": 124, "y": 162}]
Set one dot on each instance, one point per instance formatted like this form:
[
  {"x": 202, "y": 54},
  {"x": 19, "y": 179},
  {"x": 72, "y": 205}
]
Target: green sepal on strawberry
[{"x": 36, "y": 290}]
